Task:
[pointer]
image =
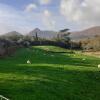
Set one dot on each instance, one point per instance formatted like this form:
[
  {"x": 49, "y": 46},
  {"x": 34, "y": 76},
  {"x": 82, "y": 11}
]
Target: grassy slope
[{"x": 51, "y": 76}]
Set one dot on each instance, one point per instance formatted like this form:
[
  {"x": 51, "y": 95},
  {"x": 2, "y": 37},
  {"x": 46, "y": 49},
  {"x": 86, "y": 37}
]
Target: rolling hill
[
  {"x": 13, "y": 33},
  {"x": 43, "y": 34},
  {"x": 87, "y": 33},
  {"x": 52, "y": 75},
  {"x": 77, "y": 35}
]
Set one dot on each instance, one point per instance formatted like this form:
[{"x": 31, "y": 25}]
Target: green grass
[{"x": 51, "y": 76}]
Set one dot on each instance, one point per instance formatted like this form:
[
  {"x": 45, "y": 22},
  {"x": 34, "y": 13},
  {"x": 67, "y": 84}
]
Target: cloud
[
  {"x": 45, "y": 2},
  {"x": 21, "y": 21},
  {"x": 86, "y": 12},
  {"x": 30, "y": 7},
  {"x": 13, "y": 20},
  {"x": 47, "y": 13},
  {"x": 48, "y": 20}
]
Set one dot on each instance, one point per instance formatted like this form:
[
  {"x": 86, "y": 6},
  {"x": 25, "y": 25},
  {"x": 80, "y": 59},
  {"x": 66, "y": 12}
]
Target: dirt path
[{"x": 96, "y": 54}]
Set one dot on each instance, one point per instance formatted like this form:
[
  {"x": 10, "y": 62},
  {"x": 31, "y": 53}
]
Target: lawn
[{"x": 55, "y": 74}]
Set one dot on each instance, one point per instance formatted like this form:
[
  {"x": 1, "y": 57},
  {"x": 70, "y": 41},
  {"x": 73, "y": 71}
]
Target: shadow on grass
[
  {"x": 39, "y": 56},
  {"x": 42, "y": 82},
  {"x": 57, "y": 77}
]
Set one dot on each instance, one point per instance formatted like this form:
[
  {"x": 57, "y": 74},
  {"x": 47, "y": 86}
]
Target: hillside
[
  {"x": 43, "y": 34},
  {"x": 50, "y": 76},
  {"x": 13, "y": 33},
  {"x": 88, "y": 33},
  {"x": 78, "y": 35}
]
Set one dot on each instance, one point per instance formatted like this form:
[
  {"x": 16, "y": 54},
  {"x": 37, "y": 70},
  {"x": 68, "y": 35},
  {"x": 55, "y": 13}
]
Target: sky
[{"x": 26, "y": 15}]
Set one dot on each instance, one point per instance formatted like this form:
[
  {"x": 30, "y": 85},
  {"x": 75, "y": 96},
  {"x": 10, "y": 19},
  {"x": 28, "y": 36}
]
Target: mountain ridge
[
  {"x": 87, "y": 33},
  {"x": 77, "y": 35},
  {"x": 42, "y": 33}
]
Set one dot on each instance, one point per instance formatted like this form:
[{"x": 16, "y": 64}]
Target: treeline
[
  {"x": 8, "y": 44},
  {"x": 91, "y": 44}
]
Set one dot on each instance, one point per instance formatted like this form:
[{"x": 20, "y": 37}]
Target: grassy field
[{"x": 55, "y": 74}]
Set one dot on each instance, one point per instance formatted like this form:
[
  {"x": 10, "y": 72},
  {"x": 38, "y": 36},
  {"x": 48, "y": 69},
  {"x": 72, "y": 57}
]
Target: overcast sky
[{"x": 25, "y": 15}]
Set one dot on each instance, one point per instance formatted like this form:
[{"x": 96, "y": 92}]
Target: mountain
[
  {"x": 43, "y": 34},
  {"x": 88, "y": 33},
  {"x": 78, "y": 35},
  {"x": 13, "y": 33}
]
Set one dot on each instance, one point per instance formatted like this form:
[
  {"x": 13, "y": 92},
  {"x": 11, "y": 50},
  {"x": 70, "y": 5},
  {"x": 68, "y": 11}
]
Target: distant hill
[
  {"x": 13, "y": 33},
  {"x": 88, "y": 33},
  {"x": 12, "y": 36},
  {"x": 43, "y": 34},
  {"x": 78, "y": 35}
]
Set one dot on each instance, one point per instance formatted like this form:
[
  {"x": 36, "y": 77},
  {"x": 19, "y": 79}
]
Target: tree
[
  {"x": 63, "y": 35},
  {"x": 36, "y": 37},
  {"x": 64, "y": 30}
]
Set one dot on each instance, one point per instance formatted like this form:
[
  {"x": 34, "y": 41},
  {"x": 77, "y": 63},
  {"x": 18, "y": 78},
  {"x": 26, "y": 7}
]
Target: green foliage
[
  {"x": 91, "y": 43},
  {"x": 63, "y": 36},
  {"x": 64, "y": 30},
  {"x": 28, "y": 38},
  {"x": 51, "y": 76},
  {"x": 14, "y": 37},
  {"x": 66, "y": 38},
  {"x": 36, "y": 37}
]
